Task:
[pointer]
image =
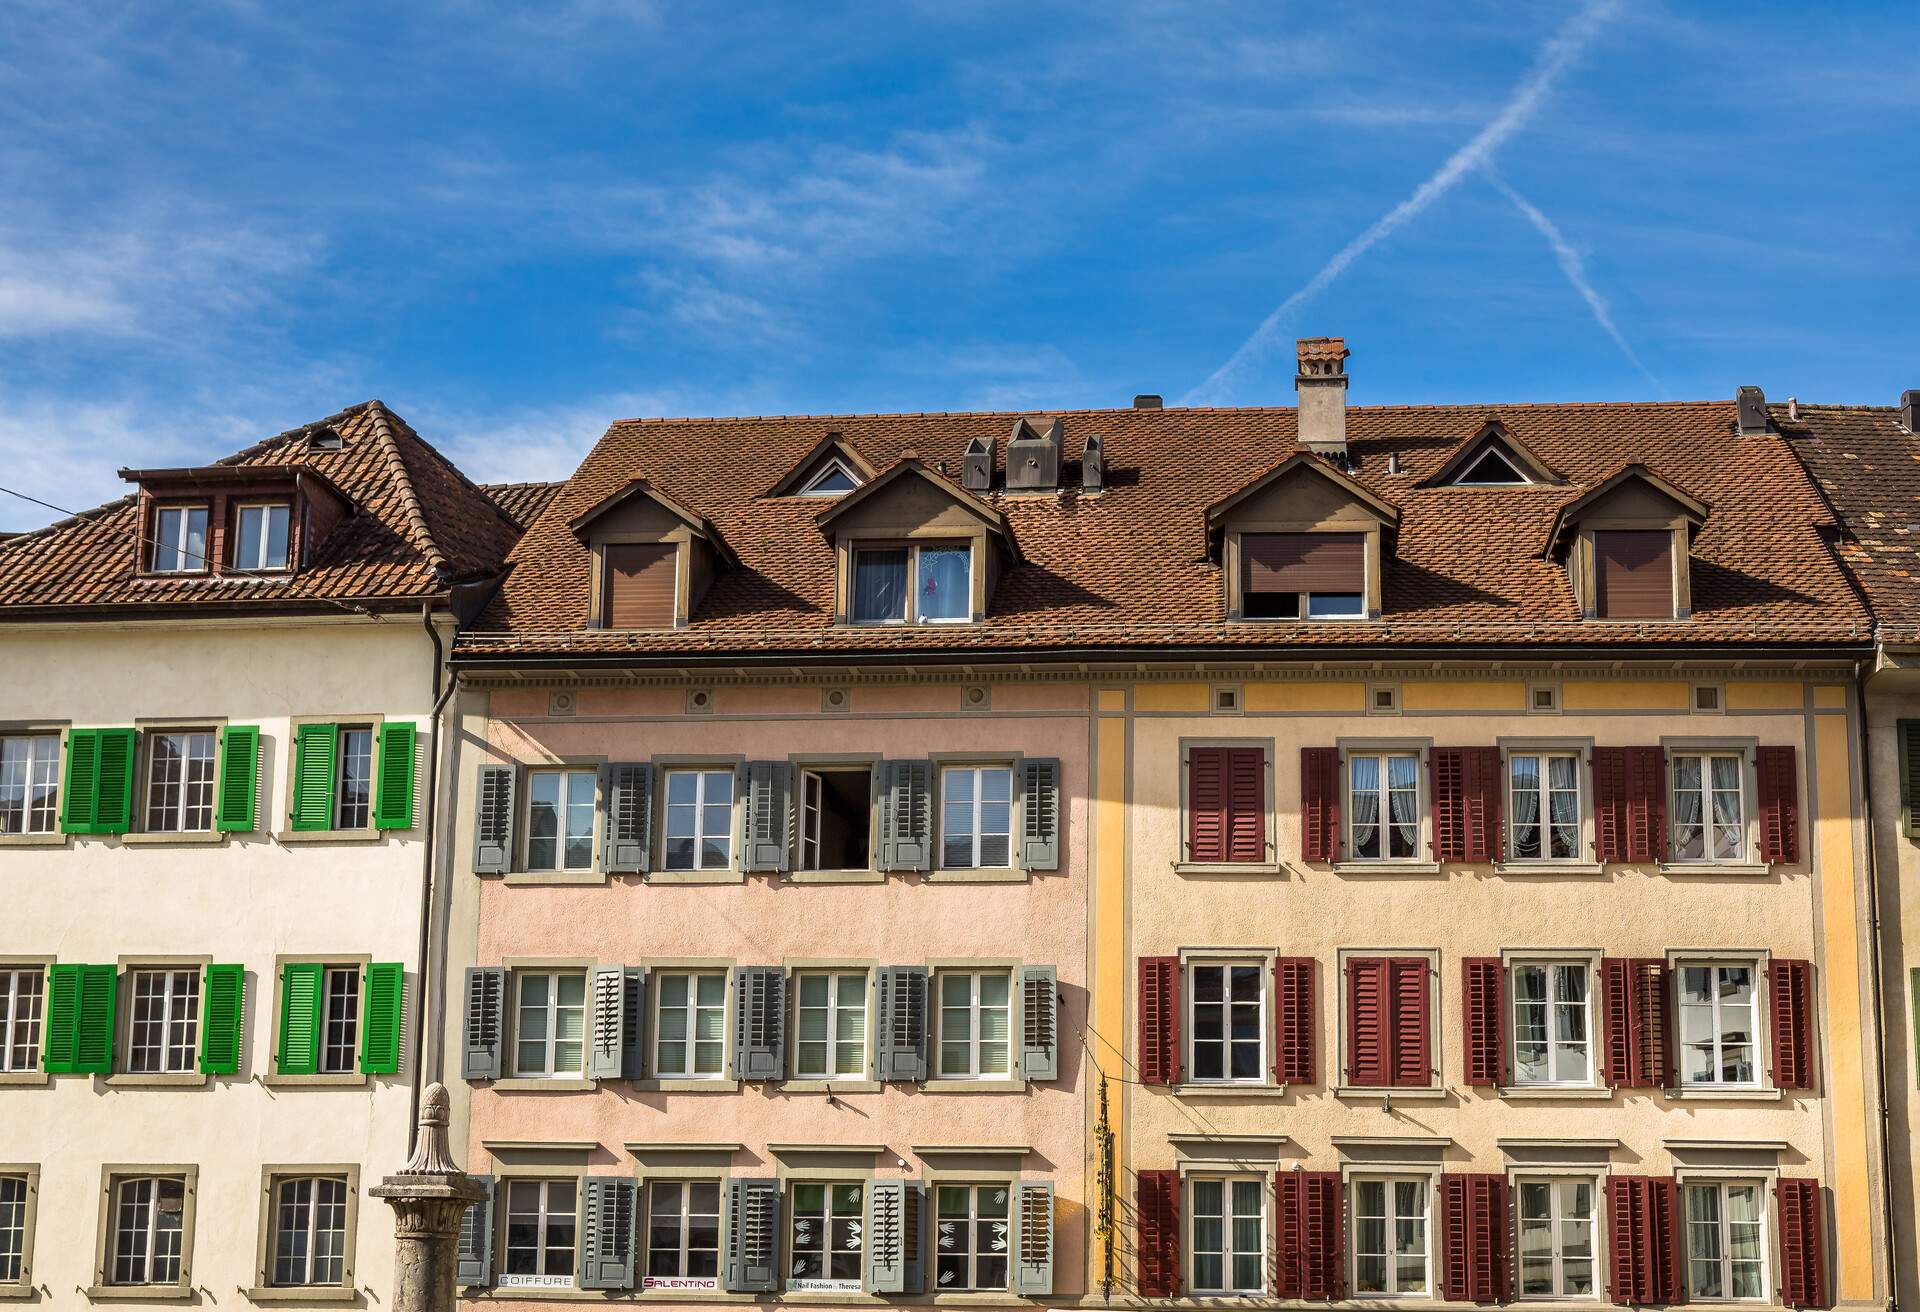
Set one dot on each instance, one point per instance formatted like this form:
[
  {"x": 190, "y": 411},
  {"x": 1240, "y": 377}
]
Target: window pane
[
  {"x": 944, "y": 591},
  {"x": 880, "y": 586}
]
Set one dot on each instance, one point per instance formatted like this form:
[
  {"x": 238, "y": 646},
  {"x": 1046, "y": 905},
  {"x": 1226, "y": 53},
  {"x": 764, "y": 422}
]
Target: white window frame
[
  {"x": 975, "y": 1009},
  {"x": 809, "y": 798},
  {"x": 1190, "y": 1246},
  {"x": 976, "y": 810},
  {"x": 1263, "y": 973},
  {"x": 340, "y": 758},
  {"x": 312, "y": 1229},
  {"x": 150, "y": 1231},
  {"x": 178, "y": 546},
  {"x": 20, "y": 1256},
  {"x": 1387, "y": 1179},
  {"x": 910, "y": 608},
  {"x": 972, "y": 1222},
  {"x": 820, "y": 475},
  {"x": 693, "y": 1008},
  {"x": 1720, "y": 1184},
  {"x": 42, "y": 754},
  {"x": 564, "y": 805},
  {"x": 836, "y": 1003},
  {"x": 1556, "y": 1222},
  {"x": 1543, "y": 793},
  {"x": 265, "y": 508},
  {"x": 329, "y": 974},
  {"x": 700, "y": 804},
  {"x": 174, "y": 814},
  {"x": 684, "y": 1214},
  {"x": 1549, "y": 965},
  {"x": 550, "y": 1041},
  {"x": 14, "y": 1024},
  {"x": 1756, "y": 966},
  {"x": 171, "y": 989},
  {"x": 1349, "y": 852},
  {"x": 1742, "y": 757},
  {"x": 544, "y": 1215},
  {"x": 826, "y": 1282}
]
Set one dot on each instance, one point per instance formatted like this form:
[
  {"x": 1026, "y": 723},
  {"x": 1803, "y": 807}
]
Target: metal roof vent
[
  {"x": 1910, "y": 410},
  {"x": 1753, "y": 411},
  {"x": 976, "y": 469},
  {"x": 1033, "y": 458},
  {"x": 1147, "y": 401},
  {"x": 1093, "y": 464}
]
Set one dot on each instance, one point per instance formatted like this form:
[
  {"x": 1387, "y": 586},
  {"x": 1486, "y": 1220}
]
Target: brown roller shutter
[
  {"x": 640, "y": 579},
  {"x": 1634, "y": 575},
  {"x": 1304, "y": 562}
]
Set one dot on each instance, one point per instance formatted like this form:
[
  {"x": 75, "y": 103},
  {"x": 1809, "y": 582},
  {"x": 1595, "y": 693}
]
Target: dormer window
[
  {"x": 1304, "y": 541},
  {"x": 1492, "y": 457},
  {"x": 260, "y": 536},
  {"x": 918, "y": 583},
  {"x": 652, "y": 559},
  {"x": 1627, "y": 547},
  {"x": 1293, "y": 576},
  {"x": 833, "y": 480},
  {"x": 1633, "y": 574},
  {"x": 180, "y": 540},
  {"x": 1493, "y": 470}
]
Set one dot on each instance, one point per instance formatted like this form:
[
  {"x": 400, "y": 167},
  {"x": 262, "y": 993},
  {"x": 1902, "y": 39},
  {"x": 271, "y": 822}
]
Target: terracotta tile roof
[
  {"x": 523, "y": 502},
  {"x": 1868, "y": 468},
  {"x": 419, "y": 527},
  {"x": 1130, "y": 569}
]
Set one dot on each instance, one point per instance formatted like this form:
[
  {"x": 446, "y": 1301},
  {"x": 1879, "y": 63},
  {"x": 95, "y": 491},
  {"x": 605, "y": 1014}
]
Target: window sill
[
  {"x": 175, "y": 1080},
  {"x": 1548, "y": 868},
  {"x": 1426, "y": 1093},
  {"x": 23, "y": 1078},
  {"x": 831, "y": 1086},
  {"x": 334, "y": 1080},
  {"x": 697, "y": 877},
  {"x": 55, "y": 839},
  {"x": 545, "y": 1293},
  {"x": 686, "y": 1084},
  {"x": 835, "y": 877},
  {"x": 1729, "y": 868},
  {"x": 300, "y": 1294},
  {"x": 1230, "y": 1090},
  {"x": 514, "y": 878},
  {"x": 1228, "y": 868},
  {"x": 860, "y": 1296},
  {"x": 982, "y": 1298},
  {"x": 1726, "y": 1095},
  {"x": 990, "y": 875},
  {"x": 543, "y": 1084},
  {"x": 127, "y": 1293},
  {"x": 1386, "y": 867},
  {"x": 17, "y": 1289},
  {"x": 331, "y": 835},
  {"x": 943, "y": 1085},
  {"x": 1553, "y": 1092},
  {"x": 197, "y": 838}
]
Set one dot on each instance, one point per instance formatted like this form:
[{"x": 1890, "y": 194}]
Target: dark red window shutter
[
  {"x": 1483, "y": 994},
  {"x": 1474, "y": 1213},
  {"x": 1778, "y": 784},
  {"x": 1294, "y": 1021},
  {"x": 1803, "y": 1255},
  {"x": 1246, "y": 787},
  {"x": 1388, "y": 1023},
  {"x": 1157, "y": 1260},
  {"x": 1206, "y": 804},
  {"x": 1630, "y": 803},
  {"x": 1790, "y": 1012},
  {"x": 1643, "y": 1240},
  {"x": 1319, "y": 804},
  {"x": 1466, "y": 803},
  {"x": 1411, "y": 1030},
  {"x": 1308, "y": 1228},
  {"x": 1634, "y": 999},
  {"x": 1367, "y": 1003},
  {"x": 1160, "y": 1020}
]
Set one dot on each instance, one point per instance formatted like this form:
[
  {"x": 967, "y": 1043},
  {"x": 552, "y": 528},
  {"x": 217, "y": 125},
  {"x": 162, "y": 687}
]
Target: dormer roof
[
  {"x": 639, "y": 489},
  {"x": 831, "y": 448},
  {"x": 910, "y": 467},
  {"x": 1382, "y": 509},
  {"x": 1493, "y": 438},
  {"x": 1568, "y": 516}
]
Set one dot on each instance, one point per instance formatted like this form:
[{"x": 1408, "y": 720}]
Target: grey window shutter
[
  {"x": 486, "y": 1002},
  {"x": 914, "y": 1238},
  {"x": 759, "y": 1015},
  {"x": 493, "y": 821},
  {"x": 628, "y": 824},
  {"x": 633, "y": 1024},
  {"x": 769, "y": 800},
  {"x": 753, "y": 1235},
  {"x": 607, "y": 1206},
  {"x": 906, "y": 815},
  {"x": 1033, "y": 1237},
  {"x": 1039, "y": 1023},
  {"x": 473, "y": 1251},
  {"x": 900, "y": 1012},
  {"x": 608, "y": 998},
  {"x": 886, "y": 1237},
  {"x": 1040, "y": 814}
]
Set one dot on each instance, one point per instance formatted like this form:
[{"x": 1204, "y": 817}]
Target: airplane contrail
[
  {"x": 1555, "y": 55},
  {"x": 1574, "y": 267}
]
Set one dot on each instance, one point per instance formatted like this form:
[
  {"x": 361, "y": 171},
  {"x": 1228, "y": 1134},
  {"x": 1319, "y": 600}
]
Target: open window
[
  {"x": 1627, "y": 545},
  {"x": 1302, "y": 542},
  {"x": 836, "y": 818},
  {"x": 653, "y": 559},
  {"x": 915, "y": 548}
]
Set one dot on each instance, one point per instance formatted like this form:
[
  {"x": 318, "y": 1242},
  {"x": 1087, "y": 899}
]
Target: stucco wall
[{"x": 247, "y": 900}]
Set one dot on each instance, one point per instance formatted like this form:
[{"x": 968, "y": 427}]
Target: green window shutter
[
  {"x": 1910, "y": 778},
  {"x": 83, "y": 777},
  {"x": 113, "y": 791},
  {"x": 221, "y": 1002},
  {"x": 315, "y": 756},
  {"x": 239, "y": 778},
  {"x": 380, "y": 1026},
  {"x": 301, "y": 988},
  {"x": 79, "y": 1029},
  {"x": 393, "y": 802}
]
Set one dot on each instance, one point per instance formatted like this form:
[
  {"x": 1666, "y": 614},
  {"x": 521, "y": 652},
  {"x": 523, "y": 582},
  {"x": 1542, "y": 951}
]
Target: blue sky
[{"x": 220, "y": 221}]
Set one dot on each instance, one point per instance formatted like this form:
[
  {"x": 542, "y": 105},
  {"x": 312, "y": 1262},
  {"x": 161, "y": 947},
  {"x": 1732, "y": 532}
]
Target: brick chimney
[{"x": 1322, "y": 385}]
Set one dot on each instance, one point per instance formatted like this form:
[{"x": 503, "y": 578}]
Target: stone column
[{"x": 428, "y": 1197}]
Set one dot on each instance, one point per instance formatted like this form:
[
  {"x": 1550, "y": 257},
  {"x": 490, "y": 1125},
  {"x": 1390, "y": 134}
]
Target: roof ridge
[
  {"x": 440, "y": 457},
  {"x": 1172, "y": 409},
  {"x": 403, "y": 481}
]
